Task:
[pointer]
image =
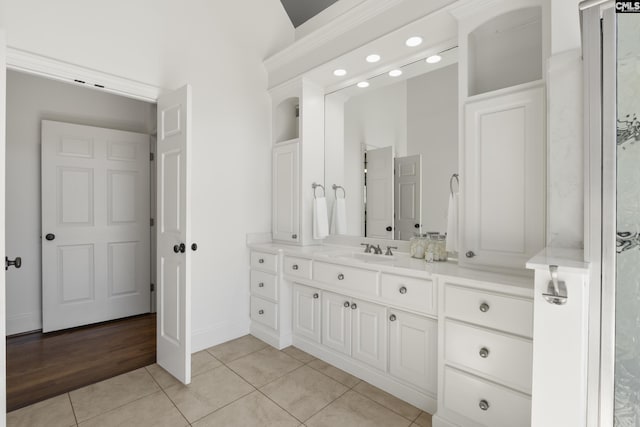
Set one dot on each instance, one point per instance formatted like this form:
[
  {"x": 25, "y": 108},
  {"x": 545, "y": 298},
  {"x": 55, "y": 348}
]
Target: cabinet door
[
  {"x": 306, "y": 312},
  {"x": 413, "y": 354},
  {"x": 286, "y": 178},
  {"x": 336, "y": 322},
  {"x": 503, "y": 221},
  {"x": 369, "y": 326}
]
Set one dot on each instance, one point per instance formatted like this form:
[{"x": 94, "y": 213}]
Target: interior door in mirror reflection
[
  {"x": 379, "y": 193},
  {"x": 408, "y": 191}
]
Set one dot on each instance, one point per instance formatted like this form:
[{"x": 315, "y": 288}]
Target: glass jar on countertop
[
  {"x": 418, "y": 245},
  {"x": 436, "y": 248}
]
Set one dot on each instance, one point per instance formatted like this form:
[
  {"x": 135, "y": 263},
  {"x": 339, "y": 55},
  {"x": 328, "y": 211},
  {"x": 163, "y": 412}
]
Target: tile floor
[{"x": 243, "y": 382}]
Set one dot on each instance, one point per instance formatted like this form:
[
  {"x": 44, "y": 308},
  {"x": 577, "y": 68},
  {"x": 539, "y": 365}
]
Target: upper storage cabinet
[
  {"x": 286, "y": 120},
  {"x": 505, "y": 51}
]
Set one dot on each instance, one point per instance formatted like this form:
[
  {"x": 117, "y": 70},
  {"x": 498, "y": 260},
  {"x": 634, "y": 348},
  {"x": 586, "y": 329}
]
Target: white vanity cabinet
[
  {"x": 306, "y": 312},
  {"x": 485, "y": 353},
  {"x": 286, "y": 179}
]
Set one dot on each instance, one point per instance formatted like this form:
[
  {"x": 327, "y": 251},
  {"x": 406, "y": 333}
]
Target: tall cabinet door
[
  {"x": 286, "y": 178},
  {"x": 369, "y": 334},
  {"x": 336, "y": 322},
  {"x": 504, "y": 179},
  {"x": 306, "y": 312}
]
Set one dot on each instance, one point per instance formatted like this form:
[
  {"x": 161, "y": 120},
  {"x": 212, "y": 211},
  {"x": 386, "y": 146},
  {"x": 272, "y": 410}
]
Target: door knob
[
  {"x": 484, "y": 352},
  {"x": 176, "y": 248},
  {"x": 416, "y": 225},
  {"x": 347, "y": 304},
  {"x": 183, "y": 248},
  {"x": 354, "y": 306},
  {"x": 393, "y": 317},
  {"x": 17, "y": 263},
  {"x": 470, "y": 254},
  {"x": 194, "y": 246},
  {"x": 389, "y": 228},
  {"x": 50, "y": 236}
]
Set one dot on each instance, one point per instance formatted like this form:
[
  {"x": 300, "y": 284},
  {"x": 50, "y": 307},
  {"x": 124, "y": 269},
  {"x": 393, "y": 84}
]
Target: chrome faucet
[
  {"x": 376, "y": 249},
  {"x": 389, "y": 250},
  {"x": 368, "y": 248}
]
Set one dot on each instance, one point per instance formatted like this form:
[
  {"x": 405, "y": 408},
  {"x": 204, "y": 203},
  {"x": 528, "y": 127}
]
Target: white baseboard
[
  {"x": 222, "y": 332},
  {"x": 25, "y": 322},
  {"x": 270, "y": 336}
]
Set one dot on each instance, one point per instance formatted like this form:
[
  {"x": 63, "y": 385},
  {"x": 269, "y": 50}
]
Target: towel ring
[
  {"x": 314, "y": 186},
  {"x": 339, "y": 187},
  {"x": 454, "y": 176}
]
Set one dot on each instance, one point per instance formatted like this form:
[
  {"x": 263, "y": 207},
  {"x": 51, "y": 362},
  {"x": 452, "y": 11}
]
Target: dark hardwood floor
[{"x": 40, "y": 366}]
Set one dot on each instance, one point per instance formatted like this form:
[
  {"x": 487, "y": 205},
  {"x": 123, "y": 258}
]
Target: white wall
[
  {"x": 217, "y": 47},
  {"x": 31, "y": 99},
  {"x": 432, "y": 130}
]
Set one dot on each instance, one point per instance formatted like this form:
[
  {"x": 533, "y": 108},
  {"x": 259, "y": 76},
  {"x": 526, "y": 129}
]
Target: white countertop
[{"x": 567, "y": 260}]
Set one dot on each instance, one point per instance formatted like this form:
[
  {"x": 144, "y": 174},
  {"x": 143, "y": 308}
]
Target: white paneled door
[
  {"x": 173, "y": 234},
  {"x": 380, "y": 193},
  {"x": 95, "y": 225},
  {"x": 3, "y": 115},
  {"x": 408, "y": 196}
]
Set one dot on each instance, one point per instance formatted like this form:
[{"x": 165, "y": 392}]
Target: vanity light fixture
[
  {"x": 339, "y": 72},
  {"x": 414, "y": 41},
  {"x": 395, "y": 73},
  {"x": 434, "y": 59},
  {"x": 373, "y": 58},
  {"x": 363, "y": 85}
]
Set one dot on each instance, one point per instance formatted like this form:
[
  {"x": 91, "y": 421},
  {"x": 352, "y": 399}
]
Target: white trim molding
[{"x": 33, "y": 63}]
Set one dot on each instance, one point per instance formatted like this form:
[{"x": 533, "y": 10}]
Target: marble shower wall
[{"x": 627, "y": 363}]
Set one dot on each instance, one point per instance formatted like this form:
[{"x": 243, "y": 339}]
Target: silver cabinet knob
[
  {"x": 484, "y": 307},
  {"x": 261, "y": 261},
  {"x": 484, "y": 352},
  {"x": 295, "y": 266},
  {"x": 294, "y": 236},
  {"x": 340, "y": 276},
  {"x": 393, "y": 317},
  {"x": 484, "y": 405},
  {"x": 403, "y": 290},
  {"x": 261, "y": 285},
  {"x": 347, "y": 304},
  {"x": 260, "y": 311},
  {"x": 470, "y": 254},
  {"x": 316, "y": 295},
  {"x": 354, "y": 306}
]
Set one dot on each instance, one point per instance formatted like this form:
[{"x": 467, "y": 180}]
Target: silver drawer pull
[
  {"x": 261, "y": 261},
  {"x": 484, "y": 405},
  {"x": 484, "y": 307},
  {"x": 294, "y": 236},
  {"x": 340, "y": 276},
  {"x": 261, "y": 285},
  {"x": 403, "y": 290},
  {"x": 470, "y": 254},
  {"x": 260, "y": 311},
  {"x": 484, "y": 352},
  {"x": 354, "y": 306},
  {"x": 315, "y": 296},
  {"x": 295, "y": 266},
  {"x": 393, "y": 317},
  {"x": 347, "y": 304}
]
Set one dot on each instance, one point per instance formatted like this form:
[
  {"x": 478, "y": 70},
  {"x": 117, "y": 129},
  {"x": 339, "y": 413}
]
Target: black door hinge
[{"x": 153, "y": 287}]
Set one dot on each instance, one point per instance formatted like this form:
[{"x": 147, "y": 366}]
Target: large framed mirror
[{"x": 391, "y": 150}]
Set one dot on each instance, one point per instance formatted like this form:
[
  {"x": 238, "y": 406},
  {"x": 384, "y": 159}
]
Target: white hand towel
[
  {"x": 320, "y": 218},
  {"x": 339, "y": 217},
  {"x": 452, "y": 224}
]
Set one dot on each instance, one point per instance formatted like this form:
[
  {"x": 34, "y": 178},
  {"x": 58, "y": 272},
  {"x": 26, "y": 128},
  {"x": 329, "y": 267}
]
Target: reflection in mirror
[{"x": 393, "y": 147}]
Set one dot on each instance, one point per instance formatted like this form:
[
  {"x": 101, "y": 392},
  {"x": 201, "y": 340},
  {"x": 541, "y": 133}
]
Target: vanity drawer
[
  {"x": 355, "y": 279},
  {"x": 505, "y": 358},
  {"x": 264, "y": 284},
  {"x": 265, "y": 312},
  {"x": 509, "y": 314},
  {"x": 264, "y": 261},
  {"x": 463, "y": 393},
  {"x": 409, "y": 292},
  {"x": 297, "y": 267}
]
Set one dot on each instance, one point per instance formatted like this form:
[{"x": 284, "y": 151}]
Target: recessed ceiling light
[
  {"x": 373, "y": 58},
  {"x": 395, "y": 73},
  {"x": 414, "y": 41},
  {"x": 434, "y": 59},
  {"x": 363, "y": 84},
  {"x": 339, "y": 72}
]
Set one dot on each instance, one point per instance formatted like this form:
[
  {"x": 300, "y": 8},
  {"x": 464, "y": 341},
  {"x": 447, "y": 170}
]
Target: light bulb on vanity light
[
  {"x": 373, "y": 58},
  {"x": 363, "y": 85},
  {"x": 395, "y": 73},
  {"x": 434, "y": 59},
  {"x": 414, "y": 41},
  {"x": 339, "y": 72}
]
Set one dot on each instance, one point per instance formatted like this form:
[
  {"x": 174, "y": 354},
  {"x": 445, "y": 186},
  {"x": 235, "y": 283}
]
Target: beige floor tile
[
  {"x": 155, "y": 410},
  {"x": 298, "y": 354},
  {"x": 304, "y": 392},
  {"x": 54, "y": 412},
  {"x": 253, "y": 410},
  {"x": 353, "y": 409},
  {"x": 203, "y": 361},
  {"x": 424, "y": 420},
  {"x": 208, "y": 392},
  {"x": 101, "y": 397},
  {"x": 337, "y": 374},
  {"x": 237, "y": 348},
  {"x": 385, "y": 399},
  {"x": 264, "y": 366},
  {"x": 162, "y": 377}
]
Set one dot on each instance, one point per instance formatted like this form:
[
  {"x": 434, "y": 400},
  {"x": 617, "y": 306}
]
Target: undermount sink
[{"x": 359, "y": 256}]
